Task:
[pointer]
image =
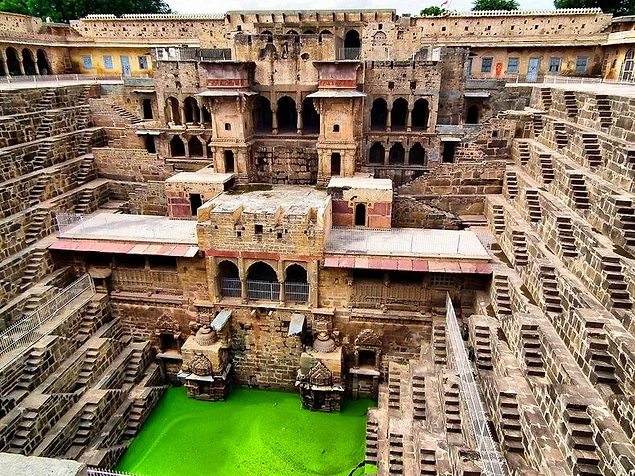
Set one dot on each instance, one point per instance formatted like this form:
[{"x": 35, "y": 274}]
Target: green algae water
[{"x": 254, "y": 432}]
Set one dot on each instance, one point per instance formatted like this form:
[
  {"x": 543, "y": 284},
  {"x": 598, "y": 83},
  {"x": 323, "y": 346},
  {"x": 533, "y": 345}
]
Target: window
[
  {"x": 486, "y": 65},
  {"x": 87, "y": 61},
  {"x": 258, "y": 229},
  {"x": 581, "y": 63},
  {"x": 143, "y": 62},
  {"x": 441, "y": 279},
  {"x": 400, "y": 35},
  {"x": 512, "y": 65},
  {"x": 336, "y": 128},
  {"x": 554, "y": 65},
  {"x": 228, "y": 126},
  {"x": 108, "y": 62}
]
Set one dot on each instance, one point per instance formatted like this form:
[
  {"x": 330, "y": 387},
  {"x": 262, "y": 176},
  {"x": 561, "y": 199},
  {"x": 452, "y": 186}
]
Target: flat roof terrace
[
  {"x": 407, "y": 249},
  {"x": 130, "y": 234}
]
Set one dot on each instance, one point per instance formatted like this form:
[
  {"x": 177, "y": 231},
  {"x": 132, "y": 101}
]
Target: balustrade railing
[
  {"x": 349, "y": 53},
  {"x": 25, "y": 331},
  {"x": 230, "y": 287},
  {"x": 263, "y": 290},
  {"x": 296, "y": 292}
]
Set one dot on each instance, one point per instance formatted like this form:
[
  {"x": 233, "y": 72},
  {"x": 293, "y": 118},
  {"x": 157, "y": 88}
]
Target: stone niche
[
  {"x": 206, "y": 362},
  {"x": 320, "y": 375}
]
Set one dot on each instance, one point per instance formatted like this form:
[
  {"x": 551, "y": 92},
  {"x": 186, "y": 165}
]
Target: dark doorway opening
[
  {"x": 147, "y": 108},
  {"x": 310, "y": 117},
  {"x": 420, "y": 113},
  {"x": 262, "y": 115},
  {"x": 472, "y": 114},
  {"x": 42, "y": 62},
  {"x": 195, "y": 202},
  {"x": 448, "y": 152},
  {"x": 28, "y": 62},
  {"x": 177, "y": 148},
  {"x": 367, "y": 358},
  {"x": 377, "y": 154},
  {"x": 229, "y": 161},
  {"x": 360, "y": 214},
  {"x": 397, "y": 154},
  {"x": 287, "y": 115},
  {"x": 378, "y": 115},
  {"x": 195, "y": 146},
  {"x": 336, "y": 163},
  {"x": 150, "y": 144},
  {"x": 399, "y": 115},
  {"x": 417, "y": 155}
]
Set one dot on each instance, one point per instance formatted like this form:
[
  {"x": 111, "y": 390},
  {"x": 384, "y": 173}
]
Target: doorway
[
  {"x": 533, "y": 69},
  {"x": 125, "y": 66}
]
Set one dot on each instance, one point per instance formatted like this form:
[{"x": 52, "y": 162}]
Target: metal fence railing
[
  {"x": 491, "y": 460},
  {"x": 25, "y": 331},
  {"x": 105, "y": 472},
  {"x": 66, "y": 220},
  {"x": 263, "y": 290},
  {"x": 558, "y": 79},
  {"x": 53, "y": 79},
  {"x": 296, "y": 292},
  {"x": 230, "y": 287},
  {"x": 349, "y": 53}
]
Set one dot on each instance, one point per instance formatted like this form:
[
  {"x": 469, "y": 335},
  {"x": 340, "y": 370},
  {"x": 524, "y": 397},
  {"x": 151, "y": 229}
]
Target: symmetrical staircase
[
  {"x": 502, "y": 301},
  {"x": 571, "y": 104},
  {"x": 614, "y": 283},
  {"x": 577, "y": 185},
  {"x": 452, "y": 407},
  {"x": 546, "y": 167},
  {"x": 520, "y": 248},
  {"x": 35, "y": 227},
  {"x": 591, "y": 149},
  {"x": 439, "y": 344},
  {"x": 419, "y": 397},
  {"x": 550, "y": 292},
  {"x": 603, "y": 104},
  {"x": 533, "y": 205},
  {"x": 562, "y": 139},
  {"x": 33, "y": 268},
  {"x": 545, "y": 96},
  {"x": 531, "y": 350},
  {"x": 565, "y": 236},
  {"x": 512, "y": 184}
]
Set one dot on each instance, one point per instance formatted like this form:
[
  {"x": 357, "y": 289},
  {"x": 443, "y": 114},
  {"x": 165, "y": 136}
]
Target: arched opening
[
  {"x": 28, "y": 62},
  {"x": 629, "y": 65},
  {"x": 367, "y": 358},
  {"x": 472, "y": 115},
  {"x": 379, "y": 115},
  {"x": 172, "y": 110},
  {"x": 177, "y": 148},
  {"x": 147, "y": 108},
  {"x": 207, "y": 117},
  {"x": 397, "y": 154},
  {"x": 336, "y": 163},
  {"x": 229, "y": 279},
  {"x": 12, "y": 62},
  {"x": 287, "y": 115},
  {"x": 195, "y": 146},
  {"x": 326, "y": 32},
  {"x": 43, "y": 62},
  {"x": 295, "y": 35},
  {"x": 308, "y": 32},
  {"x": 352, "y": 45},
  {"x": 420, "y": 114},
  {"x": 192, "y": 111},
  {"x": 150, "y": 144},
  {"x": 376, "y": 154},
  {"x": 417, "y": 155},
  {"x": 296, "y": 286},
  {"x": 2, "y": 73},
  {"x": 399, "y": 114},
  {"x": 262, "y": 115},
  {"x": 267, "y": 35},
  {"x": 310, "y": 117},
  {"x": 380, "y": 39},
  {"x": 262, "y": 282},
  {"x": 360, "y": 214},
  {"x": 229, "y": 161}
]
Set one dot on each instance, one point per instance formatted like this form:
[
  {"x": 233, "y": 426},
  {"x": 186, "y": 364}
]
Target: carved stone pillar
[
  {"x": 409, "y": 120},
  {"x": 389, "y": 120},
  {"x": 5, "y": 65},
  {"x": 300, "y": 125},
  {"x": 274, "y": 118}
]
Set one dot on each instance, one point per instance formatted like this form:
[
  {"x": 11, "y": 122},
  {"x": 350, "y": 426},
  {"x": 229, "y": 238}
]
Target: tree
[
  {"x": 616, "y": 7},
  {"x": 495, "y": 5},
  {"x": 433, "y": 11},
  {"x": 65, "y": 10}
]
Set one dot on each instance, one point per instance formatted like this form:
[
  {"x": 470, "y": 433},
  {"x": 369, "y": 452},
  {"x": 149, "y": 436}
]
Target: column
[
  {"x": 182, "y": 112},
  {"x": 406, "y": 157},
  {"x": 242, "y": 274},
  {"x": 21, "y": 65},
  {"x": 388, "y": 120},
  {"x": 312, "y": 279},
  {"x": 386, "y": 155},
  {"x": 37, "y": 68},
  {"x": 299, "y": 122},
  {"x": 409, "y": 120},
  {"x": 214, "y": 285},
  {"x": 283, "y": 295},
  {"x": 274, "y": 118},
  {"x": 5, "y": 66}
]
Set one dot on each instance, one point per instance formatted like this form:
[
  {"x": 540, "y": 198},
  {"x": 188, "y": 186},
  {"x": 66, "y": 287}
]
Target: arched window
[
  {"x": 308, "y": 32},
  {"x": 287, "y": 115},
  {"x": 192, "y": 111},
  {"x": 352, "y": 45},
  {"x": 295, "y": 284},
  {"x": 262, "y": 115},
  {"x": 629, "y": 66},
  {"x": 43, "y": 62},
  {"x": 326, "y": 32},
  {"x": 262, "y": 282},
  {"x": 399, "y": 114},
  {"x": 397, "y": 154},
  {"x": 417, "y": 155},
  {"x": 12, "y": 62},
  {"x": 360, "y": 214},
  {"x": 379, "y": 115},
  {"x": 267, "y": 36},
  {"x": 310, "y": 117},
  {"x": 28, "y": 62},
  {"x": 172, "y": 110},
  {"x": 295, "y": 35},
  {"x": 472, "y": 115},
  {"x": 376, "y": 154},
  {"x": 195, "y": 146},
  {"x": 420, "y": 114},
  {"x": 229, "y": 279},
  {"x": 229, "y": 162},
  {"x": 177, "y": 148}
]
